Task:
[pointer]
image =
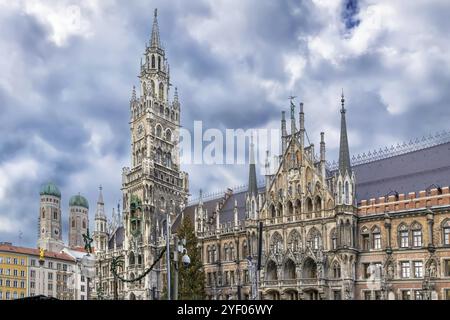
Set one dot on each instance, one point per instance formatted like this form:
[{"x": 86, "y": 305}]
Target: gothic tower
[
  {"x": 50, "y": 224},
  {"x": 154, "y": 189},
  {"x": 78, "y": 220},
  {"x": 100, "y": 233},
  {"x": 346, "y": 211},
  {"x": 252, "y": 203}
]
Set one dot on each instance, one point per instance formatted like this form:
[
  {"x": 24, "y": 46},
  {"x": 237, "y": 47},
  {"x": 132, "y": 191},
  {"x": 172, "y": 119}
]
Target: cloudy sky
[{"x": 67, "y": 69}]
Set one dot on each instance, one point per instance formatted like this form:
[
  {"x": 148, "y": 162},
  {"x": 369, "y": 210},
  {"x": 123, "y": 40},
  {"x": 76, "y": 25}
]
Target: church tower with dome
[
  {"x": 49, "y": 221},
  {"x": 78, "y": 220}
]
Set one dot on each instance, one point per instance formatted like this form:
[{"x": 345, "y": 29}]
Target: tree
[{"x": 191, "y": 285}]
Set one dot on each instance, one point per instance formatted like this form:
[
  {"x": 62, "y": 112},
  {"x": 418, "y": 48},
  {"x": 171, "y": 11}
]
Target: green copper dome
[
  {"x": 50, "y": 189},
  {"x": 79, "y": 201}
]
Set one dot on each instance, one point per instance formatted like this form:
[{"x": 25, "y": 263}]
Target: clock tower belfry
[{"x": 154, "y": 188}]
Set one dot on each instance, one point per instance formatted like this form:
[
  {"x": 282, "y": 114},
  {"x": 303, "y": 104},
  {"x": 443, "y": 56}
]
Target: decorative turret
[
  {"x": 283, "y": 132},
  {"x": 322, "y": 155},
  {"x": 345, "y": 178},
  {"x": 302, "y": 127},
  {"x": 100, "y": 233}
]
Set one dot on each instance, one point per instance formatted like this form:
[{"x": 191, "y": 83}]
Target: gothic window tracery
[
  {"x": 416, "y": 231},
  {"x": 277, "y": 243},
  {"x": 314, "y": 239},
  {"x": 403, "y": 236},
  {"x": 294, "y": 241},
  {"x": 161, "y": 92}
]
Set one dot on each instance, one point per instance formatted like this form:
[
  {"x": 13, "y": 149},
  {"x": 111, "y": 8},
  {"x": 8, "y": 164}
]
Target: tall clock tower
[{"x": 154, "y": 189}]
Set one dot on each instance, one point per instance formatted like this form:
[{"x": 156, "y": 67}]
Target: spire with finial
[
  {"x": 344, "y": 153},
  {"x": 175, "y": 97},
  {"x": 155, "y": 41},
  {"x": 252, "y": 182},
  {"x": 200, "y": 202},
  {"x": 133, "y": 94}
]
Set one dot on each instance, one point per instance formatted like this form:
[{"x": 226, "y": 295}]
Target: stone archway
[
  {"x": 272, "y": 271},
  {"x": 311, "y": 294},
  {"x": 289, "y": 270},
  {"x": 309, "y": 269}
]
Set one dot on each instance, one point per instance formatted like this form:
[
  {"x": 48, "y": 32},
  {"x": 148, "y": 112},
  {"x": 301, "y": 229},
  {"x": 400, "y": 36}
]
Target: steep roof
[
  {"x": 409, "y": 172},
  {"x": 117, "y": 237}
]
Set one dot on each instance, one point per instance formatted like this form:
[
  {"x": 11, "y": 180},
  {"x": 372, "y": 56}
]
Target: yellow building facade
[{"x": 13, "y": 275}]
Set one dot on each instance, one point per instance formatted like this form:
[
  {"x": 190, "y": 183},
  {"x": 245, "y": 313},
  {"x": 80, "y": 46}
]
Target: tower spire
[
  {"x": 252, "y": 183},
  {"x": 155, "y": 41},
  {"x": 100, "y": 196},
  {"x": 344, "y": 153}
]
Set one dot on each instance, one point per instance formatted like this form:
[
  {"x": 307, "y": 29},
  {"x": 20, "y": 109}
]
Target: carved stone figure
[
  {"x": 432, "y": 270},
  {"x": 390, "y": 271}
]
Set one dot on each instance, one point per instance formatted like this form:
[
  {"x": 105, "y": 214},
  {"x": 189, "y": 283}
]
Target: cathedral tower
[
  {"x": 154, "y": 186},
  {"x": 50, "y": 224},
  {"x": 78, "y": 220}
]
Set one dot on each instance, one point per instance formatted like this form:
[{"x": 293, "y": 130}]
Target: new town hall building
[{"x": 373, "y": 227}]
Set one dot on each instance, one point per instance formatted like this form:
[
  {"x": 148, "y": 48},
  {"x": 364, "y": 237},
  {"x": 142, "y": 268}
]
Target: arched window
[
  {"x": 131, "y": 258},
  {"x": 231, "y": 258},
  {"x": 318, "y": 204},
  {"x": 153, "y": 62},
  {"x": 43, "y": 213},
  {"x": 272, "y": 211},
  {"x": 169, "y": 135},
  {"x": 214, "y": 254},
  {"x": 416, "y": 230},
  {"x": 277, "y": 243},
  {"x": 167, "y": 112},
  {"x": 365, "y": 239},
  {"x": 158, "y": 131},
  {"x": 340, "y": 192},
  {"x": 347, "y": 193},
  {"x": 55, "y": 215},
  {"x": 290, "y": 208},
  {"x": 161, "y": 110},
  {"x": 225, "y": 252},
  {"x": 314, "y": 239},
  {"x": 376, "y": 238},
  {"x": 168, "y": 160},
  {"x": 403, "y": 236},
  {"x": 446, "y": 232},
  {"x": 244, "y": 249},
  {"x": 333, "y": 239},
  {"x": 73, "y": 223},
  {"x": 84, "y": 224},
  {"x": 158, "y": 155},
  {"x": 272, "y": 272},
  {"x": 294, "y": 241},
  {"x": 159, "y": 63},
  {"x": 336, "y": 270},
  {"x": 152, "y": 83},
  {"x": 161, "y": 92},
  {"x": 208, "y": 255}
]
